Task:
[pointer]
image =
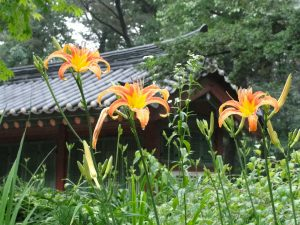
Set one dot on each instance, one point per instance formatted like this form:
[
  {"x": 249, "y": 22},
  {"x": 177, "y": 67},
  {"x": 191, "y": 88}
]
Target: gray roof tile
[{"x": 27, "y": 91}]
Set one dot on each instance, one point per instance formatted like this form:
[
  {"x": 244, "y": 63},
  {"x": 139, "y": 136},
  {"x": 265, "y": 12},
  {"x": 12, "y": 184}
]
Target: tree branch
[
  {"x": 147, "y": 7},
  {"x": 110, "y": 9},
  {"x": 102, "y": 46},
  {"x": 123, "y": 24},
  {"x": 100, "y": 20}
]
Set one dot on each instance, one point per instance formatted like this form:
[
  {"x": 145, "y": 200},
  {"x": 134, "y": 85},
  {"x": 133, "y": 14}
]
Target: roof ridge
[{"x": 20, "y": 70}]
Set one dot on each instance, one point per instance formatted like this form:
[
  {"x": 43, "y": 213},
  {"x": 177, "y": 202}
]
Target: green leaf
[{"x": 5, "y": 73}]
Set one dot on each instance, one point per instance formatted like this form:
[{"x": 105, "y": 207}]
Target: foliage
[
  {"x": 5, "y": 73},
  {"x": 16, "y": 15},
  {"x": 10, "y": 205},
  {"x": 36, "y": 20},
  {"x": 247, "y": 38},
  {"x": 256, "y": 43},
  {"x": 54, "y": 207},
  {"x": 16, "y": 53}
]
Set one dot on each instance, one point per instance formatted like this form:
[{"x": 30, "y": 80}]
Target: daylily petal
[
  {"x": 115, "y": 105},
  {"x": 117, "y": 90},
  {"x": 152, "y": 91},
  {"x": 95, "y": 68},
  {"x": 143, "y": 116},
  {"x": 252, "y": 120},
  {"x": 94, "y": 55},
  {"x": 56, "y": 54},
  {"x": 102, "y": 94},
  {"x": 165, "y": 93},
  {"x": 136, "y": 98},
  {"x": 100, "y": 59},
  {"x": 243, "y": 92},
  {"x": 232, "y": 103},
  {"x": 80, "y": 59},
  {"x": 63, "y": 69},
  {"x": 161, "y": 102},
  {"x": 120, "y": 91},
  {"x": 259, "y": 94},
  {"x": 152, "y": 86},
  {"x": 226, "y": 113},
  {"x": 247, "y": 105},
  {"x": 268, "y": 100},
  {"x": 98, "y": 127}
]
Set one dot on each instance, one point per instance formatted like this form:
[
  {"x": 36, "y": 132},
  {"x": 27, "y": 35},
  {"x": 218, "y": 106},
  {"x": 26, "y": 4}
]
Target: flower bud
[
  {"x": 211, "y": 124},
  {"x": 201, "y": 127},
  {"x": 38, "y": 63},
  {"x": 56, "y": 44},
  {"x": 285, "y": 91},
  {"x": 273, "y": 135},
  {"x": 108, "y": 167},
  {"x": 90, "y": 163},
  {"x": 296, "y": 139}
]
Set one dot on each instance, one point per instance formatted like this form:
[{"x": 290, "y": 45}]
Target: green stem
[
  {"x": 244, "y": 174},
  {"x": 138, "y": 143},
  {"x": 182, "y": 134},
  {"x": 75, "y": 187},
  {"x": 58, "y": 106},
  {"x": 185, "y": 210},
  {"x": 266, "y": 155},
  {"x": 290, "y": 183},
  {"x": 68, "y": 165},
  {"x": 105, "y": 209},
  {"x": 168, "y": 163},
  {"x": 181, "y": 139},
  {"x": 220, "y": 180},
  {"x": 84, "y": 103},
  {"x": 115, "y": 185},
  {"x": 105, "y": 202},
  {"x": 218, "y": 199}
]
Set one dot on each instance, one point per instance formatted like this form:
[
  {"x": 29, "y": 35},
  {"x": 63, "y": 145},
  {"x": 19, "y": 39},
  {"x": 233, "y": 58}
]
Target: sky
[{"x": 79, "y": 28}]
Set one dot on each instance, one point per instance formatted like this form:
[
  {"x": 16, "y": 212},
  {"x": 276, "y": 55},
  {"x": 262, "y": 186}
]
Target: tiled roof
[{"x": 28, "y": 92}]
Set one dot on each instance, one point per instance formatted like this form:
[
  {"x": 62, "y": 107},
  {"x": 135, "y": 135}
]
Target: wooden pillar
[{"x": 61, "y": 157}]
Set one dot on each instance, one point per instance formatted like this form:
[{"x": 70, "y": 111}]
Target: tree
[
  {"x": 17, "y": 18},
  {"x": 255, "y": 42},
  {"x": 118, "y": 24},
  {"x": 18, "y": 53},
  {"x": 16, "y": 15}
]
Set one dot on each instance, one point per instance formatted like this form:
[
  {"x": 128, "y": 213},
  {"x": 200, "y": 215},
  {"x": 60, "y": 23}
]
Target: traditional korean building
[{"x": 27, "y": 94}]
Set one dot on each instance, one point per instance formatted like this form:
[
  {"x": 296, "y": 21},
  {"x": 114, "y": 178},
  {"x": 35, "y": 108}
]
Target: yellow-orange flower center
[
  {"x": 79, "y": 61},
  {"x": 136, "y": 100},
  {"x": 247, "y": 107}
]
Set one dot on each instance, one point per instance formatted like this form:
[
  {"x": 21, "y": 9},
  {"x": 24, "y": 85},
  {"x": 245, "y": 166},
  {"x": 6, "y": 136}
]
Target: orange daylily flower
[
  {"x": 80, "y": 59},
  {"x": 136, "y": 98},
  {"x": 247, "y": 105}
]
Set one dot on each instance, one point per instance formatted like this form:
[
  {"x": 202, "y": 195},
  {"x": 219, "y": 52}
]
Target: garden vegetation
[{"x": 264, "y": 191}]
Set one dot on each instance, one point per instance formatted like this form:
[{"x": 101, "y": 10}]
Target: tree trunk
[{"x": 123, "y": 24}]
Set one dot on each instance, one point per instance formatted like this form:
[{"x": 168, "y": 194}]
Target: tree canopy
[
  {"x": 21, "y": 20},
  {"x": 16, "y": 53},
  {"x": 119, "y": 24},
  {"x": 255, "y": 42}
]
